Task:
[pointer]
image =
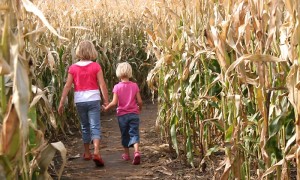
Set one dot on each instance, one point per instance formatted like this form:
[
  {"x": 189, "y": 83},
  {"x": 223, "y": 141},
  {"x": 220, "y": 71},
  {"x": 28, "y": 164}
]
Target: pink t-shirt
[
  {"x": 85, "y": 77},
  {"x": 126, "y": 92}
]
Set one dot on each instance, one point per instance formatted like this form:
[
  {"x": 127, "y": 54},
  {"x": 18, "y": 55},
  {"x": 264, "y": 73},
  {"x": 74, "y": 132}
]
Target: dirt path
[{"x": 156, "y": 161}]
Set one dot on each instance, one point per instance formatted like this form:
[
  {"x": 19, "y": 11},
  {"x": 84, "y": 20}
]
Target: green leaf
[
  {"x": 219, "y": 125},
  {"x": 6, "y": 169},
  {"x": 173, "y": 133},
  {"x": 272, "y": 147},
  {"x": 228, "y": 133},
  {"x": 189, "y": 148},
  {"x": 216, "y": 148},
  {"x": 33, "y": 117},
  {"x": 275, "y": 125}
]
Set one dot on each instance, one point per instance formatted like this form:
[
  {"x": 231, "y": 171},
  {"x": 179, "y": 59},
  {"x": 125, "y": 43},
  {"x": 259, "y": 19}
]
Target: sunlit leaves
[
  {"x": 236, "y": 82},
  {"x": 30, "y": 7}
]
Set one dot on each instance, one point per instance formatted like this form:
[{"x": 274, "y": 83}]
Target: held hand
[{"x": 104, "y": 108}]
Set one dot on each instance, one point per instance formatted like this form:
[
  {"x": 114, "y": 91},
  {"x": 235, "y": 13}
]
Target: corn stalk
[
  {"x": 23, "y": 151},
  {"x": 245, "y": 92}
]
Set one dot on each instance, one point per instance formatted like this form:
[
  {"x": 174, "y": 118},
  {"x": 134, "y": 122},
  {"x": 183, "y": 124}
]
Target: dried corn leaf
[
  {"x": 291, "y": 82},
  {"x": 30, "y": 7},
  {"x": 272, "y": 168},
  {"x": 21, "y": 86},
  {"x": 11, "y": 135},
  {"x": 252, "y": 58},
  {"x": 46, "y": 157},
  {"x": 4, "y": 67}
]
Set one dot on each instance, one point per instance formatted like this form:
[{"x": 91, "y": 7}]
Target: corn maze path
[{"x": 156, "y": 160}]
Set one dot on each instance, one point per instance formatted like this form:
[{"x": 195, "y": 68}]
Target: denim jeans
[
  {"x": 129, "y": 127},
  {"x": 89, "y": 114}
]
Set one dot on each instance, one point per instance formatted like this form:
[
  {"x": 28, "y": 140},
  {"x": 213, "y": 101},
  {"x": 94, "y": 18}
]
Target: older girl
[{"x": 87, "y": 77}]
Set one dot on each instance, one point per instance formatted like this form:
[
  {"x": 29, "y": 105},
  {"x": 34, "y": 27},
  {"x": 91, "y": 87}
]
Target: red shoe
[
  {"x": 87, "y": 157},
  {"x": 125, "y": 157},
  {"x": 136, "y": 159},
  {"x": 98, "y": 160}
]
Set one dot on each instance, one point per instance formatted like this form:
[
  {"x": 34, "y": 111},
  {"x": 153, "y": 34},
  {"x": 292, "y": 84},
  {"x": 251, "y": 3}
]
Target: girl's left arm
[
  {"x": 139, "y": 100},
  {"x": 103, "y": 87}
]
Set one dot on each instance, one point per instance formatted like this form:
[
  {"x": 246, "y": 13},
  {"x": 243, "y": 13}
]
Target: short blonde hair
[
  {"x": 124, "y": 70},
  {"x": 86, "y": 51}
]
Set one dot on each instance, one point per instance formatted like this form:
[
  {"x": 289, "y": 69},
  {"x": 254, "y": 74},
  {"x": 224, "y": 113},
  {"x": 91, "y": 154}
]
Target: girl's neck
[
  {"x": 84, "y": 60},
  {"x": 124, "y": 79}
]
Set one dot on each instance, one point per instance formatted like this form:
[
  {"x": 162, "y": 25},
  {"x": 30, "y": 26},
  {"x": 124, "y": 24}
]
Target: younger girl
[
  {"x": 126, "y": 95},
  {"x": 87, "y": 77}
]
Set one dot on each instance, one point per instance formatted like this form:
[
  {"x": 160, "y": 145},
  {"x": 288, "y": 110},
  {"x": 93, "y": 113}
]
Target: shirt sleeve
[
  {"x": 97, "y": 67},
  {"x": 115, "y": 89},
  {"x": 71, "y": 70}
]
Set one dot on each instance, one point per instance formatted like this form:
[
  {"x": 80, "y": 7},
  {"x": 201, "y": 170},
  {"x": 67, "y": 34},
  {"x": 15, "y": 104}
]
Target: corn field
[{"x": 225, "y": 74}]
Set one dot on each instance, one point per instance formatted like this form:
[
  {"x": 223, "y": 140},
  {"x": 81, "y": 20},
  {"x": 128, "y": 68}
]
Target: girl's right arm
[
  {"x": 65, "y": 92},
  {"x": 113, "y": 103}
]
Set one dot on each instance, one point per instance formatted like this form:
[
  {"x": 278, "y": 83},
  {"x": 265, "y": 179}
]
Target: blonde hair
[
  {"x": 86, "y": 51},
  {"x": 124, "y": 70}
]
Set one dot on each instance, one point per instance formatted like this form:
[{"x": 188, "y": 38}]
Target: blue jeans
[
  {"x": 89, "y": 114},
  {"x": 129, "y": 127}
]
